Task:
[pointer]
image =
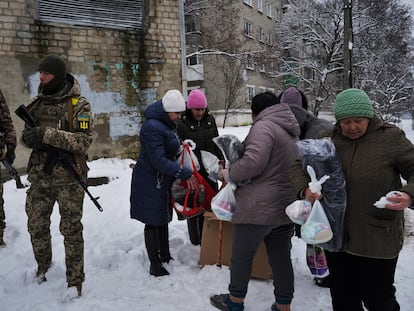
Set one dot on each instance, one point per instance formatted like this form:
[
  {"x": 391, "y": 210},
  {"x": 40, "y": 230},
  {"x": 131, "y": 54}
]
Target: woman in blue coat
[{"x": 154, "y": 173}]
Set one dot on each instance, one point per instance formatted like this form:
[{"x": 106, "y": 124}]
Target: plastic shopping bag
[
  {"x": 211, "y": 165},
  {"x": 299, "y": 211},
  {"x": 315, "y": 185},
  {"x": 230, "y": 146},
  {"x": 187, "y": 156},
  {"x": 316, "y": 261},
  {"x": 321, "y": 155},
  {"x": 224, "y": 202},
  {"x": 316, "y": 229}
]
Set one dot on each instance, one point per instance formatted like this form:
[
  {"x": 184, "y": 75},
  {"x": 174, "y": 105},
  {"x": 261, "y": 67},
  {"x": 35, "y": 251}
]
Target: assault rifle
[
  {"x": 59, "y": 154},
  {"x": 13, "y": 173}
]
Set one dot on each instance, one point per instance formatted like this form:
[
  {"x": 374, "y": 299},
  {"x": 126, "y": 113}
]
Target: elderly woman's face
[{"x": 354, "y": 127}]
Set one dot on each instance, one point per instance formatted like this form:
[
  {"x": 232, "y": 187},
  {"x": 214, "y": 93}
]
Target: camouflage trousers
[
  {"x": 40, "y": 200},
  {"x": 2, "y": 215}
]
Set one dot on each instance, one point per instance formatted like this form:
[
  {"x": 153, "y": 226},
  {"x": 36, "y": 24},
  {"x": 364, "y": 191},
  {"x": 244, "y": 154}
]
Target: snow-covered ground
[{"x": 116, "y": 263}]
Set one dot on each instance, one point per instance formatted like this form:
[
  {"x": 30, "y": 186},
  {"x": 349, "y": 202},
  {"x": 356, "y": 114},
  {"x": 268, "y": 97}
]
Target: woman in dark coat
[
  {"x": 375, "y": 157},
  {"x": 199, "y": 126},
  {"x": 154, "y": 174},
  {"x": 310, "y": 127}
]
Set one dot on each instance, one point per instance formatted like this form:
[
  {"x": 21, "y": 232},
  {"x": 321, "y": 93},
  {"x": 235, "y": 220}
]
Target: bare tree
[
  {"x": 384, "y": 59},
  {"x": 311, "y": 41},
  {"x": 224, "y": 50}
]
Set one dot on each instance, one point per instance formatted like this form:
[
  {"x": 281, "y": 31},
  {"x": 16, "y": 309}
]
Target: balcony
[{"x": 195, "y": 72}]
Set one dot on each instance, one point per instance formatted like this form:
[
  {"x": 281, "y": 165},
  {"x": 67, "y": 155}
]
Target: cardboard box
[{"x": 210, "y": 244}]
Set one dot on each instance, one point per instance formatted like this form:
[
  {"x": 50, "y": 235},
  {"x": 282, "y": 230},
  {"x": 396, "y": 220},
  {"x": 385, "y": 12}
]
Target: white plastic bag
[
  {"x": 384, "y": 200},
  {"x": 315, "y": 185},
  {"x": 298, "y": 211},
  {"x": 187, "y": 156},
  {"x": 224, "y": 202},
  {"x": 211, "y": 164},
  {"x": 316, "y": 229}
]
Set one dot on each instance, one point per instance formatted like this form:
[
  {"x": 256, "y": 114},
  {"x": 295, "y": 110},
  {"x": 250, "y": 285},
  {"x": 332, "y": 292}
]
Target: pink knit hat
[{"x": 196, "y": 100}]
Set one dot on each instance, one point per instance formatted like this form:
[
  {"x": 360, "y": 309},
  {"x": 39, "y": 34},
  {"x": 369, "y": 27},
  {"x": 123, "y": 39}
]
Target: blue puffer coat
[{"x": 155, "y": 169}]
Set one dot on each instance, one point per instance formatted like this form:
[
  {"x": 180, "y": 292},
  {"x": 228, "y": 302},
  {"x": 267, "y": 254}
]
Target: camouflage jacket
[
  {"x": 6, "y": 124},
  {"x": 66, "y": 117}
]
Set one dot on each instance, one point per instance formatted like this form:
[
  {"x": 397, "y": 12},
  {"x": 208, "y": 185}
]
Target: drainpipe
[{"x": 183, "y": 48}]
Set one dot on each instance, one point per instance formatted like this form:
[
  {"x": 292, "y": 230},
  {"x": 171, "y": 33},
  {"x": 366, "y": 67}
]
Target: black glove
[
  {"x": 33, "y": 136},
  {"x": 10, "y": 155},
  {"x": 3, "y": 151}
]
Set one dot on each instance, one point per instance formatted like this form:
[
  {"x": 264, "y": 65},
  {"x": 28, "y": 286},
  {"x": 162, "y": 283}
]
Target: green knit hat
[
  {"x": 353, "y": 103},
  {"x": 53, "y": 64}
]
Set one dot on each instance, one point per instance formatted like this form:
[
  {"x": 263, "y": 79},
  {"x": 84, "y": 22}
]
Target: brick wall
[{"x": 120, "y": 72}]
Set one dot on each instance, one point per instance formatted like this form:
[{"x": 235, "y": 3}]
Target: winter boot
[
  {"x": 224, "y": 303},
  {"x": 322, "y": 282},
  {"x": 2, "y": 244},
  {"x": 195, "y": 228},
  {"x": 151, "y": 243},
  {"x": 280, "y": 307},
  {"x": 164, "y": 244}
]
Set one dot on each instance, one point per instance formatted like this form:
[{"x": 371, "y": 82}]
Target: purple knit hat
[
  {"x": 196, "y": 100},
  {"x": 291, "y": 96}
]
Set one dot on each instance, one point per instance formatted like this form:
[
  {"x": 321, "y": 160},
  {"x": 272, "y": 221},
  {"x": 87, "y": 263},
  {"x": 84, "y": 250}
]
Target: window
[
  {"x": 278, "y": 14},
  {"x": 262, "y": 68},
  {"x": 309, "y": 74},
  {"x": 248, "y": 28},
  {"x": 260, "y": 5},
  {"x": 269, "y": 10},
  {"x": 250, "y": 64},
  {"x": 190, "y": 27},
  {"x": 262, "y": 89},
  {"x": 194, "y": 60},
  {"x": 250, "y": 92},
  {"x": 269, "y": 38},
  {"x": 116, "y": 14},
  {"x": 261, "y": 34},
  {"x": 271, "y": 67},
  {"x": 248, "y": 2}
]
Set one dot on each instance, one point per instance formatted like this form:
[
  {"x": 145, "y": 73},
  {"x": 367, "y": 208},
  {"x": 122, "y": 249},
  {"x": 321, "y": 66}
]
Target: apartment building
[{"x": 229, "y": 49}]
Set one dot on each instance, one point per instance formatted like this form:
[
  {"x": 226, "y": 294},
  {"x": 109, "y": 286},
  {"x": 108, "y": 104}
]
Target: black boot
[
  {"x": 2, "y": 243},
  {"x": 164, "y": 244},
  {"x": 151, "y": 243},
  {"x": 195, "y": 228}
]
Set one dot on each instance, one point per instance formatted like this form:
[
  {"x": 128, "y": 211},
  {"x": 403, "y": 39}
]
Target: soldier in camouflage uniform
[
  {"x": 7, "y": 147},
  {"x": 63, "y": 118}
]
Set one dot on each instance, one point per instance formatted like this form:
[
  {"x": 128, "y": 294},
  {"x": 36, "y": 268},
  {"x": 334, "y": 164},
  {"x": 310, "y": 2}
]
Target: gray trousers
[{"x": 246, "y": 240}]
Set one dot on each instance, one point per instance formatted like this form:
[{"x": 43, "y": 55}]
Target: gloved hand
[
  {"x": 3, "y": 152},
  {"x": 33, "y": 136},
  {"x": 10, "y": 154}
]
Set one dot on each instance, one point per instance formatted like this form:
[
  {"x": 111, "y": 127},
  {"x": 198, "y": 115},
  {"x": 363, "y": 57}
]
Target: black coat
[{"x": 202, "y": 133}]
